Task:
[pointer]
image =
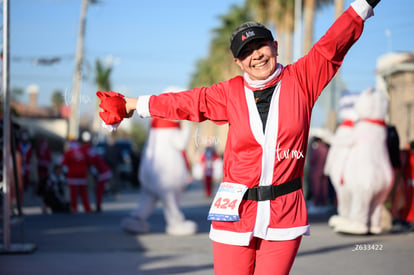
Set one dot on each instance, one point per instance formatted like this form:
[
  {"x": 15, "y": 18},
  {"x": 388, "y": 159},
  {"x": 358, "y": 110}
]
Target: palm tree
[
  {"x": 219, "y": 64},
  {"x": 310, "y": 7},
  {"x": 102, "y": 77},
  {"x": 339, "y": 7},
  {"x": 279, "y": 14},
  {"x": 287, "y": 14},
  {"x": 332, "y": 115},
  {"x": 57, "y": 100},
  {"x": 103, "y": 83}
]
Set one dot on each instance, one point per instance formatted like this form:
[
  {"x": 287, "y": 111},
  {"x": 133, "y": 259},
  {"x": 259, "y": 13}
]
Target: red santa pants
[
  {"x": 261, "y": 257},
  {"x": 83, "y": 191},
  {"x": 208, "y": 184}
]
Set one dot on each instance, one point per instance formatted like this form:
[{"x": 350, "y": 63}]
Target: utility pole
[
  {"x": 77, "y": 76},
  {"x": 6, "y": 130}
]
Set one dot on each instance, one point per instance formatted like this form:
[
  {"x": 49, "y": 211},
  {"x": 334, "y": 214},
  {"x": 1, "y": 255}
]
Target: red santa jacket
[
  {"x": 26, "y": 151},
  {"x": 43, "y": 154},
  {"x": 103, "y": 171},
  {"x": 252, "y": 157},
  {"x": 76, "y": 163}
]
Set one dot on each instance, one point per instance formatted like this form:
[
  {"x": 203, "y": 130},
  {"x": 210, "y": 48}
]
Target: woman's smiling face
[{"x": 258, "y": 59}]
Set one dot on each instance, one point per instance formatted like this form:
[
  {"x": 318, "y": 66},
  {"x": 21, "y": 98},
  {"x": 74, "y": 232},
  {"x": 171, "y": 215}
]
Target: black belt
[{"x": 271, "y": 192}]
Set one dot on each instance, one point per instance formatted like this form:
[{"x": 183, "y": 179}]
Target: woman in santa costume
[{"x": 259, "y": 213}]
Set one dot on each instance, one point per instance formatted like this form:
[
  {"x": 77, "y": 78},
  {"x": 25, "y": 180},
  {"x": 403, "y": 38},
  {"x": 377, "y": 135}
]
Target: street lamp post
[{"x": 8, "y": 168}]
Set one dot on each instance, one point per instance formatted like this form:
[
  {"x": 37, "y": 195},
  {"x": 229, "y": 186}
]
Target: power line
[{"x": 46, "y": 61}]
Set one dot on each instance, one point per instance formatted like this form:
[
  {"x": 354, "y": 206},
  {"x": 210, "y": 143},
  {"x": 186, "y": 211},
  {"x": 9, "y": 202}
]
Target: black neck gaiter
[{"x": 263, "y": 98}]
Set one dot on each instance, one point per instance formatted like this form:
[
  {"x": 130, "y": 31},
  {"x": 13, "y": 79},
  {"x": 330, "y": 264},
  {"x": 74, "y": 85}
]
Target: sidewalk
[{"x": 94, "y": 244}]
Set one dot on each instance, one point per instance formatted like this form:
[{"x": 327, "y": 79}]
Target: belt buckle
[{"x": 264, "y": 193}]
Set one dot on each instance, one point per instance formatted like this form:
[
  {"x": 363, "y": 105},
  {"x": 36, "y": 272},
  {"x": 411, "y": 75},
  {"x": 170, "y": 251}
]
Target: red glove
[{"x": 113, "y": 105}]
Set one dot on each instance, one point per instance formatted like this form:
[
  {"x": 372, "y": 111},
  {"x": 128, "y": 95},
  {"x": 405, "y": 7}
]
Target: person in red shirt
[
  {"x": 99, "y": 167},
  {"x": 25, "y": 149},
  {"x": 409, "y": 186},
  {"x": 76, "y": 165},
  {"x": 259, "y": 213},
  {"x": 44, "y": 159},
  {"x": 317, "y": 180},
  {"x": 207, "y": 160}
]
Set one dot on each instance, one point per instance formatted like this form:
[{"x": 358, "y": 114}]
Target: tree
[
  {"x": 310, "y": 6},
  {"x": 339, "y": 7},
  {"x": 16, "y": 93},
  {"x": 103, "y": 83},
  {"x": 219, "y": 65},
  {"x": 288, "y": 26},
  {"x": 57, "y": 100},
  {"x": 280, "y": 14},
  {"x": 102, "y": 76}
]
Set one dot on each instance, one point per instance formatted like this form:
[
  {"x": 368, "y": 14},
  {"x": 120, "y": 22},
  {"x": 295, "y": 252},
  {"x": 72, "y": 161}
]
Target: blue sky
[{"x": 155, "y": 44}]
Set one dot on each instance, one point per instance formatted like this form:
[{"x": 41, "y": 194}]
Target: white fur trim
[
  {"x": 284, "y": 234},
  {"x": 143, "y": 106},
  {"x": 243, "y": 238},
  {"x": 258, "y": 84},
  {"x": 229, "y": 237},
  {"x": 111, "y": 127},
  {"x": 363, "y": 9},
  {"x": 268, "y": 142},
  {"x": 262, "y": 219}
]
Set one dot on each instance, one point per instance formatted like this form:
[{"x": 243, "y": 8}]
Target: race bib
[{"x": 225, "y": 206}]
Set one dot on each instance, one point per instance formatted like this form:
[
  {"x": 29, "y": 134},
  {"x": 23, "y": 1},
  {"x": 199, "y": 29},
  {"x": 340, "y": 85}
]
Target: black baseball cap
[{"x": 247, "y": 32}]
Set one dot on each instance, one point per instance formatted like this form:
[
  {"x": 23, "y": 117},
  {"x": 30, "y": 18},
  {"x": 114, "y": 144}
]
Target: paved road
[{"x": 94, "y": 244}]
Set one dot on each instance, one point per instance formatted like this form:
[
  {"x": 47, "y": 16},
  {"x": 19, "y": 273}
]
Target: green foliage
[
  {"x": 138, "y": 135},
  {"x": 219, "y": 64},
  {"x": 57, "y": 99},
  {"x": 16, "y": 93},
  {"x": 102, "y": 76}
]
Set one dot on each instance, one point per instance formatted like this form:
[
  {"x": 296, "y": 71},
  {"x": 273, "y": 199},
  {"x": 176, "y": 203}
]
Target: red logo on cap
[{"x": 243, "y": 37}]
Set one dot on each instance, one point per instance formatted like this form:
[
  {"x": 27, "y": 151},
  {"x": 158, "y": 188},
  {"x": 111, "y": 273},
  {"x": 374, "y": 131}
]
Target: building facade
[{"x": 395, "y": 74}]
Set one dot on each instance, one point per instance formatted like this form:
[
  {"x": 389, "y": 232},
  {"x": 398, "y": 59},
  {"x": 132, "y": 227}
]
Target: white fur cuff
[
  {"x": 112, "y": 127},
  {"x": 363, "y": 9},
  {"x": 143, "y": 106}
]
